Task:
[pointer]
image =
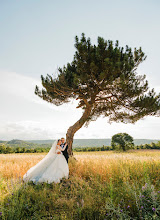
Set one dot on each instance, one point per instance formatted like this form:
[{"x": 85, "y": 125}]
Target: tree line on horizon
[
  {"x": 7, "y": 149},
  {"x": 119, "y": 141}
]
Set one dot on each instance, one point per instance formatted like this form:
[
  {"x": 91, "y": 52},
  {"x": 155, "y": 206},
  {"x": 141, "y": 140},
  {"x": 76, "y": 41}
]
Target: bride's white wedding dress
[{"x": 52, "y": 168}]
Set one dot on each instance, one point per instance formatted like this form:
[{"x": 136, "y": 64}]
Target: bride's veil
[
  {"x": 38, "y": 168},
  {"x": 52, "y": 151}
]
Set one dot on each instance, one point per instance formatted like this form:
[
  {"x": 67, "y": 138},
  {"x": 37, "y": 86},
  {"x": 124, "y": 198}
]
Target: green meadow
[{"x": 101, "y": 185}]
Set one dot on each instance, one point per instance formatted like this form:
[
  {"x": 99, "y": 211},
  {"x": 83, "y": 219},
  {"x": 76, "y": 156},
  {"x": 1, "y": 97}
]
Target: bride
[{"x": 52, "y": 168}]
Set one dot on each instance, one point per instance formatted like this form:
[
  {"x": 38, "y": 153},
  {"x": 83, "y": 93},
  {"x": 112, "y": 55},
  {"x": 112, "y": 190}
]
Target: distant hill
[
  {"x": 95, "y": 142},
  {"x": 76, "y": 143},
  {"x": 16, "y": 141},
  {"x": 21, "y": 143},
  {"x": 41, "y": 141},
  {"x": 2, "y": 142}
]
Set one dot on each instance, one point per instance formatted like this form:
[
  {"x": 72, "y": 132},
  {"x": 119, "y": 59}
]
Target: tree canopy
[
  {"x": 122, "y": 141},
  {"x": 104, "y": 79}
]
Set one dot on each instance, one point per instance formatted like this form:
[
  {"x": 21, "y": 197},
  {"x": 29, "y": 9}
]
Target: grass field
[{"x": 101, "y": 185}]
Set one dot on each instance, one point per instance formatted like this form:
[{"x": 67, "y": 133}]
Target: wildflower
[
  {"x": 121, "y": 210},
  {"x": 0, "y": 213},
  {"x": 128, "y": 206},
  {"x": 153, "y": 209},
  {"x": 145, "y": 186},
  {"x": 158, "y": 191},
  {"x": 142, "y": 207},
  {"x": 143, "y": 196}
]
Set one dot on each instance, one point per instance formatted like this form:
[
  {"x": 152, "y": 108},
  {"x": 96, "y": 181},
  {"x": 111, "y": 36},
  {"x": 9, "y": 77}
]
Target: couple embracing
[
  {"x": 53, "y": 167},
  {"x": 63, "y": 148}
]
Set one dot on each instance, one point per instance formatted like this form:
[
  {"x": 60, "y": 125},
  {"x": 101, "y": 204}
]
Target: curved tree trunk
[{"x": 74, "y": 128}]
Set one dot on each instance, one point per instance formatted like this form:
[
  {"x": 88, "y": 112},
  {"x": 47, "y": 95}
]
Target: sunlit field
[{"x": 101, "y": 185}]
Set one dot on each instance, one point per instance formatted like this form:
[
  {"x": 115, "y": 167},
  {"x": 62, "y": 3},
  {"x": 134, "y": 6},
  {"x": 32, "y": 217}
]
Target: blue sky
[{"x": 38, "y": 36}]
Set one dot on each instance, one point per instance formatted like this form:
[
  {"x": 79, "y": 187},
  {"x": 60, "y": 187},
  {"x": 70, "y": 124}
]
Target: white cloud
[
  {"x": 26, "y": 116},
  {"x": 18, "y": 85},
  {"x": 29, "y": 130},
  {"x": 147, "y": 128}
]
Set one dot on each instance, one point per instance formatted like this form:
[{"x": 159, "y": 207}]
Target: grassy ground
[{"x": 101, "y": 185}]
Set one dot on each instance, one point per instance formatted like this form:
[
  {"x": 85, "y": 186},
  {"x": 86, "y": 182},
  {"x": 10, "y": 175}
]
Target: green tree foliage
[
  {"x": 84, "y": 149},
  {"x": 3, "y": 149},
  {"x": 103, "y": 78},
  {"x": 122, "y": 141},
  {"x": 10, "y": 148}
]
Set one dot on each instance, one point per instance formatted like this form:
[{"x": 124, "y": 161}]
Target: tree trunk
[
  {"x": 123, "y": 147},
  {"x": 74, "y": 128}
]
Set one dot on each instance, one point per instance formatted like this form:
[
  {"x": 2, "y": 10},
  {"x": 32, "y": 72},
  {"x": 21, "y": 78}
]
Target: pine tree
[{"x": 103, "y": 78}]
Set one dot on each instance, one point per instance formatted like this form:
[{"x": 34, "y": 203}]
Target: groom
[{"x": 65, "y": 152}]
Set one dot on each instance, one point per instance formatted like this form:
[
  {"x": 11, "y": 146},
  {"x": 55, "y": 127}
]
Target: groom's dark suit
[{"x": 65, "y": 152}]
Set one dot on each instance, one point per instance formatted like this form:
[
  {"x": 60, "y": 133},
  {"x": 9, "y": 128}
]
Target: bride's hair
[{"x": 58, "y": 140}]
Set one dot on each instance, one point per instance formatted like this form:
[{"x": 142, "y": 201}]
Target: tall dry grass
[
  {"x": 105, "y": 164},
  {"x": 95, "y": 177}
]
